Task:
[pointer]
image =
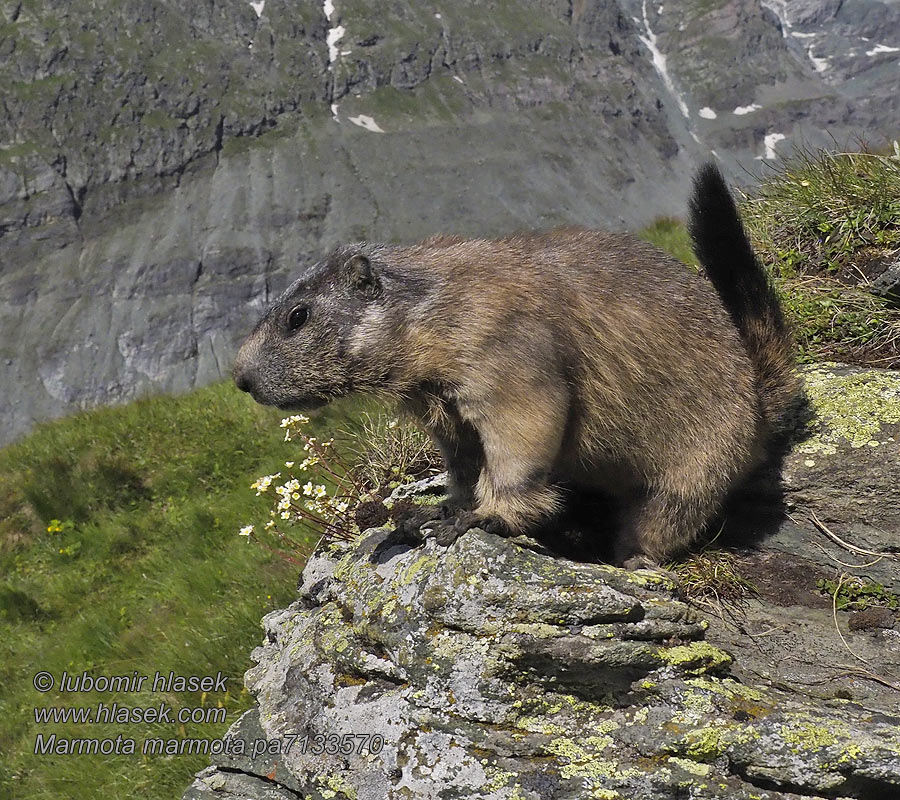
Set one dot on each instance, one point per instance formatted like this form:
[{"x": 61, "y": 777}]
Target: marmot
[{"x": 574, "y": 358}]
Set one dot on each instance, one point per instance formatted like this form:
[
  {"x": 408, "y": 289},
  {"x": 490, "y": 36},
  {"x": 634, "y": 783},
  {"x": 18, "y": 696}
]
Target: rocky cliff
[
  {"x": 165, "y": 166},
  {"x": 494, "y": 669}
]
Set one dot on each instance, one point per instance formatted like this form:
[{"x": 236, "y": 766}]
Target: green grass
[
  {"x": 820, "y": 222},
  {"x": 670, "y": 235},
  {"x": 143, "y": 570},
  {"x": 824, "y": 212}
]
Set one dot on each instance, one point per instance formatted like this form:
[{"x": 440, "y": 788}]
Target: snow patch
[
  {"x": 334, "y": 35},
  {"x": 882, "y": 48},
  {"x": 799, "y": 35},
  {"x": 770, "y": 141},
  {"x": 332, "y": 39},
  {"x": 458, "y": 79},
  {"x": 741, "y": 110},
  {"x": 659, "y": 62},
  {"x": 365, "y": 121},
  {"x": 707, "y": 113},
  {"x": 258, "y": 7},
  {"x": 334, "y": 111},
  {"x": 779, "y": 9},
  {"x": 819, "y": 64},
  {"x": 437, "y": 16}
]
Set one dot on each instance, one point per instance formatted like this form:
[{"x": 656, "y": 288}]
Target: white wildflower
[{"x": 262, "y": 484}]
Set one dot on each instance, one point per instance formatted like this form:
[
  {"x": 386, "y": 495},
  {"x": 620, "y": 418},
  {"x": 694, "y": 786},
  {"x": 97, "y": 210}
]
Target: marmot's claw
[
  {"x": 410, "y": 523},
  {"x": 444, "y": 532}
]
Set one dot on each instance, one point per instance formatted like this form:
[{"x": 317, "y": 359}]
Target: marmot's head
[{"x": 321, "y": 339}]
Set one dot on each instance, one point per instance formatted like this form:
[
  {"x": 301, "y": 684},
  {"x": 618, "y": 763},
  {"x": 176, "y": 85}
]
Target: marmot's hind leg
[{"x": 663, "y": 524}]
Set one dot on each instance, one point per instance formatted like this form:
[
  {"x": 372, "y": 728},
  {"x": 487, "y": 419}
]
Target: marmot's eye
[{"x": 297, "y": 318}]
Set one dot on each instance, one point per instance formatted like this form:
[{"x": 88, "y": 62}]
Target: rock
[
  {"x": 846, "y": 469},
  {"x": 886, "y": 282},
  {"x": 494, "y": 669},
  {"x": 152, "y": 204},
  {"x": 840, "y": 479},
  {"x": 872, "y": 619}
]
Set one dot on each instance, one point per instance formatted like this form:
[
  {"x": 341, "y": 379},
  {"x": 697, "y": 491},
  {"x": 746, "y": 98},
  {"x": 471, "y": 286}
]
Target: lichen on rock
[{"x": 854, "y": 408}]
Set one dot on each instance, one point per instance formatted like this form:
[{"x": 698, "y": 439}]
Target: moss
[
  {"x": 852, "y": 409},
  {"x": 857, "y": 594}
]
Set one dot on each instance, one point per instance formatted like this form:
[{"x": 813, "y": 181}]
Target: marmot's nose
[{"x": 244, "y": 377}]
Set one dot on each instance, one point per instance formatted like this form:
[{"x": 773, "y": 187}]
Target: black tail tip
[{"x": 710, "y": 188}]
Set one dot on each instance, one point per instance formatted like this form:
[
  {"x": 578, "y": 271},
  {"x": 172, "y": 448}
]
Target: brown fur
[{"x": 573, "y": 357}]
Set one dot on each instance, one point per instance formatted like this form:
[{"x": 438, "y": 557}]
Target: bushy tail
[{"x": 724, "y": 251}]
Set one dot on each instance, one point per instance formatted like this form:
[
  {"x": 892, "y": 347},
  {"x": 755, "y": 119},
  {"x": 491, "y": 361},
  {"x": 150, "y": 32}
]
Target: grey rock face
[
  {"x": 492, "y": 669},
  {"x": 886, "y": 282},
  {"x": 165, "y": 168}
]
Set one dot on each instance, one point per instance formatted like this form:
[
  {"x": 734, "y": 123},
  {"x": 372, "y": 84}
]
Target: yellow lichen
[
  {"x": 695, "y": 658},
  {"x": 687, "y": 765},
  {"x": 808, "y": 735},
  {"x": 851, "y": 409}
]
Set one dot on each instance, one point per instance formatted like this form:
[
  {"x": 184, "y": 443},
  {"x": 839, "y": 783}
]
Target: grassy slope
[{"x": 147, "y": 574}]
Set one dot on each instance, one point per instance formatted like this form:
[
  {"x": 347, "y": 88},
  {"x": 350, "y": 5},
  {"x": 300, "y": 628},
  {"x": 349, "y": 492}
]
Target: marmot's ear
[{"x": 360, "y": 273}]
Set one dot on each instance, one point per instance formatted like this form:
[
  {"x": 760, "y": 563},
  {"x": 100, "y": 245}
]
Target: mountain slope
[{"x": 165, "y": 166}]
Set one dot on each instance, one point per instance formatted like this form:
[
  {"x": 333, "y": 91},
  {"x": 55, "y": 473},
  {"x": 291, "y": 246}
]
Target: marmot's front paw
[
  {"x": 410, "y": 519},
  {"x": 447, "y": 530}
]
